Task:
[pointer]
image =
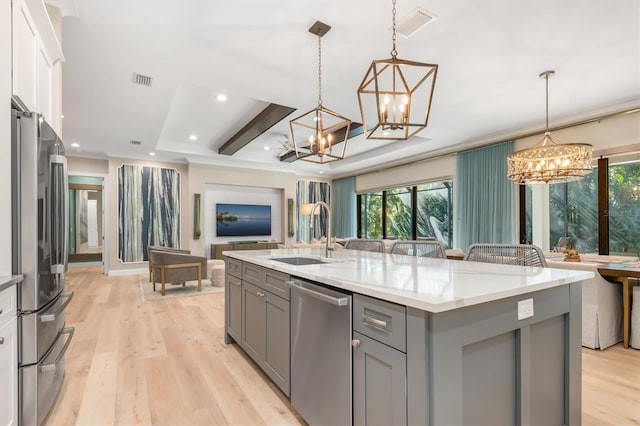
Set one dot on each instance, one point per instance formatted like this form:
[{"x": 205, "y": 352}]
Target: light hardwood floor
[{"x": 165, "y": 362}]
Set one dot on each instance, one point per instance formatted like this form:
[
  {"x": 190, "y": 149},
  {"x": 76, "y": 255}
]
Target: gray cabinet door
[
  {"x": 253, "y": 330},
  {"x": 234, "y": 307},
  {"x": 276, "y": 356},
  {"x": 379, "y": 383}
]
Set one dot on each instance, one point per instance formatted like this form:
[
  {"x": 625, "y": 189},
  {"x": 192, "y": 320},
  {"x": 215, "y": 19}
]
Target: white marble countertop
[{"x": 433, "y": 285}]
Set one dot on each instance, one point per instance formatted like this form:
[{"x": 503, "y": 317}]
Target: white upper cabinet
[
  {"x": 25, "y": 48},
  {"x": 35, "y": 51},
  {"x": 43, "y": 85}
]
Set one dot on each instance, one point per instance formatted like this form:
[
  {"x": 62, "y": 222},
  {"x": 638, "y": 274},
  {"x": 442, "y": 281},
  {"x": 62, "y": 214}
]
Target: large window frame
[
  {"x": 412, "y": 229},
  {"x": 605, "y": 210}
]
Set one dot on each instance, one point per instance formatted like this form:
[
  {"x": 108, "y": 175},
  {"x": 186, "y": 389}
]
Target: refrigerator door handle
[{"x": 58, "y": 213}]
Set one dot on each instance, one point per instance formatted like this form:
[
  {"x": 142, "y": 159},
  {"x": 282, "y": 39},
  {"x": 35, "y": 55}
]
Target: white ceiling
[{"x": 256, "y": 52}]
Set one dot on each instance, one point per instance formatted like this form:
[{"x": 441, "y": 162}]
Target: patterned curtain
[
  {"x": 343, "y": 210},
  {"x": 148, "y": 210},
  {"x": 311, "y": 192},
  {"x": 485, "y": 197}
]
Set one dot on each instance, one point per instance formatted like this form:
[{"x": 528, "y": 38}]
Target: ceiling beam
[
  {"x": 355, "y": 130},
  {"x": 262, "y": 122}
]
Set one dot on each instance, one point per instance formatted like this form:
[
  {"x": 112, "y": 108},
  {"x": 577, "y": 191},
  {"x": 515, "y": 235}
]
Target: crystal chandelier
[
  {"x": 549, "y": 162},
  {"x": 395, "y": 95},
  {"x": 320, "y": 135}
]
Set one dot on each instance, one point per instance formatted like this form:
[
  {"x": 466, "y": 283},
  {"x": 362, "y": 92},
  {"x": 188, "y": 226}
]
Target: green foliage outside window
[{"x": 433, "y": 217}]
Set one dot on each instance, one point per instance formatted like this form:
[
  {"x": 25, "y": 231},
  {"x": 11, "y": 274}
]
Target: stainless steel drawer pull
[
  {"x": 374, "y": 321},
  {"x": 1, "y": 340},
  {"x": 260, "y": 294},
  {"x": 51, "y": 367},
  {"x": 52, "y": 317}
]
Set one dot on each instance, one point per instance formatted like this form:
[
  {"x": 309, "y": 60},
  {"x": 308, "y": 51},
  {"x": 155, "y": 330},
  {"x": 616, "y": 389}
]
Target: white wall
[
  {"x": 234, "y": 194},
  {"x": 5, "y": 135},
  {"x": 201, "y": 175}
]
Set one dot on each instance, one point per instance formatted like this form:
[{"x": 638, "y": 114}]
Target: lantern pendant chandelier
[
  {"x": 320, "y": 135},
  {"x": 549, "y": 162},
  {"x": 395, "y": 95}
]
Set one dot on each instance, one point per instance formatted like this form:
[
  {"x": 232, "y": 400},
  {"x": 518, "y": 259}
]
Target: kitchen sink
[{"x": 298, "y": 261}]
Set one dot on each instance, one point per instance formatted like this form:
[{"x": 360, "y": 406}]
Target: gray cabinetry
[
  {"x": 257, "y": 315},
  {"x": 233, "y": 301},
  {"x": 253, "y": 324},
  {"x": 379, "y": 362},
  {"x": 276, "y": 345},
  {"x": 379, "y": 383}
]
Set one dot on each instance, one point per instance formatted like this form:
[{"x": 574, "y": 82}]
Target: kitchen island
[{"x": 466, "y": 343}]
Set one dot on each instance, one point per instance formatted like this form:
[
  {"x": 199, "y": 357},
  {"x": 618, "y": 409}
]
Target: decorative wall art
[
  {"x": 312, "y": 192},
  {"x": 290, "y": 221},
  {"x": 197, "y": 229},
  {"x": 148, "y": 210}
]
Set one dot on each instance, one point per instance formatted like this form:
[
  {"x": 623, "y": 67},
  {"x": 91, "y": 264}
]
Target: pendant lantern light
[
  {"x": 320, "y": 135},
  {"x": 395, "y": 95}
]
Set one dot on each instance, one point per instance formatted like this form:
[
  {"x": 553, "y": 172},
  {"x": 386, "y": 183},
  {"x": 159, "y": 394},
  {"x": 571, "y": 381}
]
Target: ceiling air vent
[
  {"x": 416, "y": 20},
  {"x": 135, "y": 142},
  {"x": 143, "y": 80}
]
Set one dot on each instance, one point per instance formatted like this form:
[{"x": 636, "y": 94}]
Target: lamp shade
[{"x": 305, "y": 209}]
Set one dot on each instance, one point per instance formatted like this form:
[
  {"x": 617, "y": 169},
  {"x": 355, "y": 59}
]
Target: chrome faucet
[{"x": 329, "y": 245}]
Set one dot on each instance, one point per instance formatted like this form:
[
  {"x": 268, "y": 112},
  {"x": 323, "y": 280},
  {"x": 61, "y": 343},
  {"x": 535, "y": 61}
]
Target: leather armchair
[{"x": 177, "y": 268}]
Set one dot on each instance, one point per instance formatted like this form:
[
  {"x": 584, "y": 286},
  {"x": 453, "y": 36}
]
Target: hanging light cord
[
  {"x": 394, "y": 52},
  {"x": 546, "y": 79},
  {"x": 319, "y": 69}
]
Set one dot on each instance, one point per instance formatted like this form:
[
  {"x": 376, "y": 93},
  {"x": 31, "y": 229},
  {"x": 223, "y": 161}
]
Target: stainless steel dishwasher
[{"x": 321, "y": 353}]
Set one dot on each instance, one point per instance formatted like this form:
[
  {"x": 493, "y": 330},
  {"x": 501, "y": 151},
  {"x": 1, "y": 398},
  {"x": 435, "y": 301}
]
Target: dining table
[{"x": 621, "y": 272}]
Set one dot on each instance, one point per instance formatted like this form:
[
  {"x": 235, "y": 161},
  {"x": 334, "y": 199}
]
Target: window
[
  {"x": 573, "y": 209},
  {"x": 624, "y": 208},
  {"x": 399, "y": 214},
  {"x": 408, "y": 213},
  {"x": 370, "y": 215},
  {"x": 434, "y": 212},
  {"x": 573, "y": 212}
]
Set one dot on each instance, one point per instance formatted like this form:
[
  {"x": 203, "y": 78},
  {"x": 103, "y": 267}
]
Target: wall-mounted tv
[{"x": 240, "y": 220}]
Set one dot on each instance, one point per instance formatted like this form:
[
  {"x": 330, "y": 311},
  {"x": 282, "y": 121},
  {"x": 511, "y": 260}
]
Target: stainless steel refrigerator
[{"x": 40, "y": 220}]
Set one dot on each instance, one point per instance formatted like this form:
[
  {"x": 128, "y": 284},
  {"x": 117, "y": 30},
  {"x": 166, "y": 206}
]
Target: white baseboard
[{"x": 113, "y": 272}]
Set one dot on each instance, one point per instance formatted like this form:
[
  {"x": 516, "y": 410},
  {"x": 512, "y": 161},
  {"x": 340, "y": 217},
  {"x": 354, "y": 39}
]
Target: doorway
[{"x": 86, "y": 233}]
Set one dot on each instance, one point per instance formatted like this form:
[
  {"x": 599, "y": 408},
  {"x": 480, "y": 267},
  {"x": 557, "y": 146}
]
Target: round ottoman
[{"x": 216, "y": 269}]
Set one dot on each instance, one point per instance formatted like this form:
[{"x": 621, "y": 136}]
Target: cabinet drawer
[
  {"x": 8, "y": 298},
  {"x": 383, "y": 321},
  {"x": 234, "y": 267},
  {"x": 276, "y": 283},
  {"x": 252, "y": 273}
]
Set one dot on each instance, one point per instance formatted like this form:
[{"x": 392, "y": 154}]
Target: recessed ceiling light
[
  {"x": 267, "y": 148},
  {"x": 152, "y": 154},
  {"x": 321, "y": 172},
  {"x": 221, "y": 97},
  {"x": 75, "y": 145},
  {"x": 61, "y": 115},
  {"x": 193, "y": 137}
]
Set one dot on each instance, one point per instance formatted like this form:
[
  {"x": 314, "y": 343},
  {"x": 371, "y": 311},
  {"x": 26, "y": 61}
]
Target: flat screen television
[{"x": 242, "y": 220}]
